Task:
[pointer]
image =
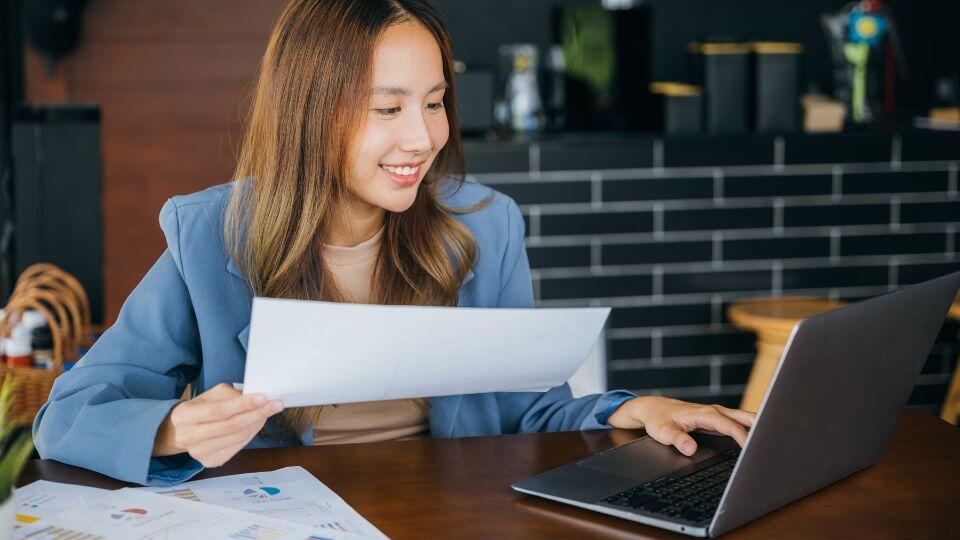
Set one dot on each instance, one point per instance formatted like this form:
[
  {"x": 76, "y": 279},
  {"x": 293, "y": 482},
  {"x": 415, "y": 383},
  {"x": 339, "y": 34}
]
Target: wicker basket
[
  {"x": 33, "y": 387},
  {"x": 65, "y": 307}
]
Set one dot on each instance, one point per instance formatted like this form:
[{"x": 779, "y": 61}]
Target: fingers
[
  {"x": 714, "y": 420},
  {"x": 213, "y": 443},
  {"x": 209, "y": 456},
  {"x": 199, "y": 433},
  {"x": 744, "y": 418},
  {"x": 198, "y": 411},
  {"x": 668, "y": 421},
  {"x": 215, "y": 452},
  {"x": 670, "y": 434},
  {"x": 217, "y": 424}
]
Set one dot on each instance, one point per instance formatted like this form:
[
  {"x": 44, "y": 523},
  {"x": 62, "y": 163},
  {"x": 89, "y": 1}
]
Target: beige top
[{"x": 352, "y": 270}]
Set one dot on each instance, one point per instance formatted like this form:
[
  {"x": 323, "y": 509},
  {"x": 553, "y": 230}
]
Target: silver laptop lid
[{"x": 835, "y": 398}]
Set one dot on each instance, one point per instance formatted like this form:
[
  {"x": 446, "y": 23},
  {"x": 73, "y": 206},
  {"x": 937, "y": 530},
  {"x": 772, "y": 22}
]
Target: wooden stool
[
  {"x": 951, "y": 405},
  {"x": 772, "y": 319}
]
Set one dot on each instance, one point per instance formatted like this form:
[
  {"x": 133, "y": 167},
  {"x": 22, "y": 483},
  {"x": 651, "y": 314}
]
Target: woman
[{"x": 346, "y": 197}]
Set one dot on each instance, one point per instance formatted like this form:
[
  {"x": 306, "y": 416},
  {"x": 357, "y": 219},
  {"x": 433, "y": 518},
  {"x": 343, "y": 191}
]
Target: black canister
[
  {"x": 41, "y": 341},
  {"x": 777, "y": 86},
  {"x": 726, "y": 82},
  {"x": 475, "y": 100},
  {"x": 682, "y": 107}
]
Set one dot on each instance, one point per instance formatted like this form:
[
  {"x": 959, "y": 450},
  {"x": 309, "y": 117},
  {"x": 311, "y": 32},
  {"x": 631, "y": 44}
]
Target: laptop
[{"x": 829, "y": 411}]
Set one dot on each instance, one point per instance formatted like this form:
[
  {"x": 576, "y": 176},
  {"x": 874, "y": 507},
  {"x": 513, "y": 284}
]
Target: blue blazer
[{"x": 188, "y": 320}]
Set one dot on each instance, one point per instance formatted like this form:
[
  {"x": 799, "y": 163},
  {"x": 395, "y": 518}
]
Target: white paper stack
[
  {"x": 290, "y": 493},
  {"x": 284, "y": 504}
]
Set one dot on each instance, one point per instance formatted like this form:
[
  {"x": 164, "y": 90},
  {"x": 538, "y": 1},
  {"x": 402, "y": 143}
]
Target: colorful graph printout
[
  {"x": 43, "y": 499},
  {"x": 291, "y": 494},
  {"x": 128, "y": 514}
]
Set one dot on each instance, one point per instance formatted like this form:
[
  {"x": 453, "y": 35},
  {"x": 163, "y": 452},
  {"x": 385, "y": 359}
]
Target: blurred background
[{"x": 674, "y": 159}]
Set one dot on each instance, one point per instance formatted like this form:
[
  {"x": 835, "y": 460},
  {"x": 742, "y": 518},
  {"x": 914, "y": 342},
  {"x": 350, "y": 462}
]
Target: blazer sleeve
[
  {"x": 104, "y": 413},
  {"x": 556, "y": 409}
]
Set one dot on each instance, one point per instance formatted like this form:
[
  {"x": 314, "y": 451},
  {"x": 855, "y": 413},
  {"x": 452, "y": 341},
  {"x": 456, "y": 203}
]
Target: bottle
[
  {"x": 32, "y": 318},
  {"x": 521, "y": 90},
  {"x": 42, "y": 343},
  {"x": 18, "y": 349},
  {"x": 556, "y": 98}
]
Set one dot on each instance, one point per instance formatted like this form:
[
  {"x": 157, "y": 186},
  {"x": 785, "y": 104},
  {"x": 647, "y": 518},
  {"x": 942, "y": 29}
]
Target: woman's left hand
[{"x": 669, "y": 420}]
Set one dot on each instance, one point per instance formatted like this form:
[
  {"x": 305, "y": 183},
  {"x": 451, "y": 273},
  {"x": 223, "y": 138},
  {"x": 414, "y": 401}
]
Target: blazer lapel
[
  {"x": 233, "y": 270},
  {"x": 244, "y": 334}
]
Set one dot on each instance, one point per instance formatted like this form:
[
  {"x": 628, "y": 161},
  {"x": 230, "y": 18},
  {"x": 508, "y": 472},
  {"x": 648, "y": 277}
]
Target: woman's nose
[{"x": 416, "y": 135}]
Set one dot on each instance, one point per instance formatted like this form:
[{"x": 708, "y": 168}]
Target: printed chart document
[
  {"x": 134, "y": 514},
  {"x": 316, "y": 353},
  {"x": 290, "y": 493},
  {"x": 43, "y": 499}
]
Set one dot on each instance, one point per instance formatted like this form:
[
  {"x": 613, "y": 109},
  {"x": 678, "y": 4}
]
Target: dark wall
[
  {"x": 927, "y": 28},
  {"x": 56, "y": 195},
  {"x": 671, "y": 232},
  {"x": 11, "y": 92},
  {"x": 170, "y": 78}
]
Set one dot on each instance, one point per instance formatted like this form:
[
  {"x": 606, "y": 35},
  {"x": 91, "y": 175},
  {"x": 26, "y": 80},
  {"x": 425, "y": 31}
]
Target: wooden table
[{"x": 460, "y": 488}]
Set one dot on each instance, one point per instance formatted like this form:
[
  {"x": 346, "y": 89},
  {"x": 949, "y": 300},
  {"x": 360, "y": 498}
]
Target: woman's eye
[{"x": 391, "y": 111}]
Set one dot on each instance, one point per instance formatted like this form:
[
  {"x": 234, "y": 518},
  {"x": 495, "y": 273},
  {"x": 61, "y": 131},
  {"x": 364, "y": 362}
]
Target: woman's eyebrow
[{"x": 401, "y": 91}]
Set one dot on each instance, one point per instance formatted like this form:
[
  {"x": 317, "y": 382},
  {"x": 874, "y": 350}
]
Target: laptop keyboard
[{"x": 693, "y": 498}]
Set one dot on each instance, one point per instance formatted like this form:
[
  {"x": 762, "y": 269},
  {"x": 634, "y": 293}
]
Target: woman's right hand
[{"x": 215, "y": 425}]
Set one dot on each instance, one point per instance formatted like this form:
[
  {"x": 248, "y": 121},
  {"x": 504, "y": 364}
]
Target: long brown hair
[{"x": 309, "y": 102}]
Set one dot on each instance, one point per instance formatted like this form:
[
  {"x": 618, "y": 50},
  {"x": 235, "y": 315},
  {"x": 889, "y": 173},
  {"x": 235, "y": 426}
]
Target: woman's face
[{"x": 406, "y": 124}]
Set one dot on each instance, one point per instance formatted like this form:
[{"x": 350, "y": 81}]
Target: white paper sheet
[
  {"x": 133, "y": 514},
  {"x": 315, "y": 353},
  {"x": 43, "y": 499},
  {"x": 290, "y": 493}
]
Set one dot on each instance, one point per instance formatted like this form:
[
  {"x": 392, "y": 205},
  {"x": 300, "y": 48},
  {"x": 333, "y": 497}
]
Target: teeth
[{"x": 402, "y": 171}]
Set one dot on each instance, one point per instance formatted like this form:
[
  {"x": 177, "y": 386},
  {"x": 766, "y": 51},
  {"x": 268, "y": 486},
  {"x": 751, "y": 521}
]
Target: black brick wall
[{"x": 671, "y": 232}]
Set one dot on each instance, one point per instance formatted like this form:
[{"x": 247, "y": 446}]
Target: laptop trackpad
[{"x": 646, "y": 459}]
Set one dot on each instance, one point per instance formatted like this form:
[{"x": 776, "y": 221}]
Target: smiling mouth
[{"x": 403, "y": 175}]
